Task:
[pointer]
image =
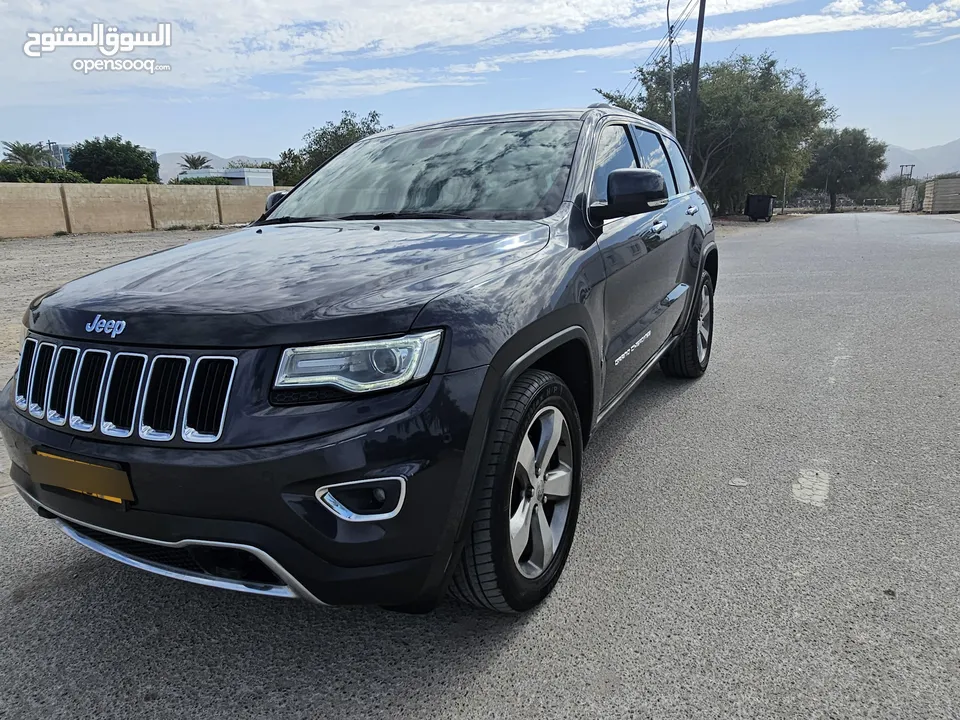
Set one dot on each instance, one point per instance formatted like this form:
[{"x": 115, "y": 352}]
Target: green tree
[
  {"x": 844, "y": 161},
  {"x": 112, "y": 157},
  {"x": 33, "y": 154},
  {"x": 289, "y": 169},
  {"x": 754, "y": 122},
  {"x": 194, "y": 162},
  {"x": 323, "y": 143}
]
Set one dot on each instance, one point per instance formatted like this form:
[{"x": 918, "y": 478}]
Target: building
[{"x": 258, "y": 177}]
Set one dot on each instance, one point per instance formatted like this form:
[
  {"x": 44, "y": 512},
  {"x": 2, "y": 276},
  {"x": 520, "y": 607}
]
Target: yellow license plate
[{"x": 97, "y": 481}]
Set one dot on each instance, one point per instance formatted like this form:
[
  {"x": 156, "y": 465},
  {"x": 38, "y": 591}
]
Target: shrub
[
  {"x": 200, "y": 181},
  {"x": 125, "y": 181},
  {"x": 11, "y": 172}
]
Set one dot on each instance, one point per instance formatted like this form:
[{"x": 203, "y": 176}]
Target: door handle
[
  {"x": 693, "y": 210},
  {"x": 659, "y": 226}
]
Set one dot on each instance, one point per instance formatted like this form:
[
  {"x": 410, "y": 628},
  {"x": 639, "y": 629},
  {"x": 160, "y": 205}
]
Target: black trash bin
[{"x": 759, "y": 207}]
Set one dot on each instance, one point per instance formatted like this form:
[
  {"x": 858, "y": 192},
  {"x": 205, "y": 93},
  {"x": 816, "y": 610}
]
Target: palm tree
[
  {"x": 27, "y": 154},
  {"x": 195, "y": 162}
]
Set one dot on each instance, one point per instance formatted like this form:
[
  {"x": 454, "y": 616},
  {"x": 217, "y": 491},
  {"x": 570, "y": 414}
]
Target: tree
[
  {"x": 33, "y": 154},
  {"x": 325, "y": 142},
  {"x": 754, "y": 122},
  {"x": 113, "y": 157},
  {"x": 194, "y": 162},
  {"x": 843, "y": 161},
  {"x": 289, "y": 169}
]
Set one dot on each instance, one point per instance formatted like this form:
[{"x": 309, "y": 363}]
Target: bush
[
  {"x": 200, "y": 181},
  {"x": 125, "y": 181},
  {"x": 11, "y": 172}
]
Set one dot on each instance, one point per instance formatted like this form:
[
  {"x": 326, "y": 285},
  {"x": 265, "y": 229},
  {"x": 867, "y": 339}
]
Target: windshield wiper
[
  {"x": 291, "y": 219},
  {"x": 403, "y": 215}
]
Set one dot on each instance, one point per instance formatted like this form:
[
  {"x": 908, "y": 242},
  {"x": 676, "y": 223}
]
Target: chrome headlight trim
[{"x": 422, "y": 350}]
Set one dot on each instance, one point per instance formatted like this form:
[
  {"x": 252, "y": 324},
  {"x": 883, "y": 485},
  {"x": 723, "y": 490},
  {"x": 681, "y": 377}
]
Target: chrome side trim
[
  {"x": 146, "y": 432},
  {"x": 325, "y": 497},
  {"x": 292, "y": 585},
  {"x": 190, "y": 434},
  {"x": 108, "y": 428},
  {"x": 33, "y": 408},
  {"x": 77, "y": 423},
  {"x": 641, "y": 374},
  {"x": 21, "y": 400},
  {"x": 52, "y": 417}
]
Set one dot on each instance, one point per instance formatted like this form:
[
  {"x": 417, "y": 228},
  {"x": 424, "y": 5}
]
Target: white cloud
[
  {"x": 948, "y": 38},
  {"x": 257, "y": 48},
  {"x": 844, "y": 7}
]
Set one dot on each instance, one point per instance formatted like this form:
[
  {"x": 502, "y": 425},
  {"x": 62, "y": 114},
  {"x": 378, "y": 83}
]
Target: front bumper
[{"x": 262, "y": 499}]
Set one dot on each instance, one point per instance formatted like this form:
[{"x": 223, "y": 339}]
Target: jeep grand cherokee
[{"x": 381, "y": 389}]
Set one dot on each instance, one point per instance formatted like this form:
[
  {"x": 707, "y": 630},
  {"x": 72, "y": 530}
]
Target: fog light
[{"x": 364, "y": 500}]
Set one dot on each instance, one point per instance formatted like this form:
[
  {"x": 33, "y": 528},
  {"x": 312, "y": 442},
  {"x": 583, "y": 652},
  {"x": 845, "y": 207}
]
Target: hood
[{"x": 279, "y": 284}]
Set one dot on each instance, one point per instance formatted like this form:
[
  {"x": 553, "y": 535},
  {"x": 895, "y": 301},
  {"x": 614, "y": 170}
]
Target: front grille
[
  {"x": 125, "y": 394},
  {"x": 41, "y": 379},
  {"x": 87, "y": 388},
  {"x": 25, "y": 372},
  {"x": 207, "y": 403}
]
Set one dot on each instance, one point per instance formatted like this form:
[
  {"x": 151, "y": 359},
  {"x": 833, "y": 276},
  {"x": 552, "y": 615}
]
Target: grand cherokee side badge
[{"x": 110, "y": 327}]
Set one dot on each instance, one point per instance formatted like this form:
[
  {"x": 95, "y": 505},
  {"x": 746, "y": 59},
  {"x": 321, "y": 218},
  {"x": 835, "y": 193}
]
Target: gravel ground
[{"x": 777, "y": 539}]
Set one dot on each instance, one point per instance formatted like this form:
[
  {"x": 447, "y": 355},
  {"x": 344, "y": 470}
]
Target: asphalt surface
[{"x": 777, "y": 539}]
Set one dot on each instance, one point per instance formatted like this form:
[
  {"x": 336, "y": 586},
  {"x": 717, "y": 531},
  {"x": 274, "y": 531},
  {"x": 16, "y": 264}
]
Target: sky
[{"x": 252, "y": 77}]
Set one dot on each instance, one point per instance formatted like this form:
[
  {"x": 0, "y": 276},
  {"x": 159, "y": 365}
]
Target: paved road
[{"x": 822, "y": 583}]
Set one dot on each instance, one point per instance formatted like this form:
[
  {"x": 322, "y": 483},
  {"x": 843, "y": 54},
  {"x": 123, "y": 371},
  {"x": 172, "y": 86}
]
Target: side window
[
  {"x": 654, "y": 156},
  {"x": 614, "y": 152},
  {"x": 680, "y": 167}
]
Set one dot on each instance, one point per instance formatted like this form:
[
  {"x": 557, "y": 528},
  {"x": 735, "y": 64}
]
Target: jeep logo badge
[{"x": 110, "y": 327}]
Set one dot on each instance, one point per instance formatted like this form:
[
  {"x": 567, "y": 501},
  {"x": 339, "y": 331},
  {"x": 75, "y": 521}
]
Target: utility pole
[
  {"x": 783, "y": 202},
  {"x": 695, "y": 81},
  {"x": 673, "y": 101}
]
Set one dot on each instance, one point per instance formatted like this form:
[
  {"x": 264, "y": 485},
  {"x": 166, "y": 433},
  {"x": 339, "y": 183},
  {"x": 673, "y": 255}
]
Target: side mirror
[
  {"x": 274, "y": 198},
  {"x": 632, "y": 191}
]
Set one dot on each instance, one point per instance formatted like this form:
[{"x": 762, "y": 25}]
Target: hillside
[
  {"x": 170, "y": 162},
  {"x": 928, "y": 161}
]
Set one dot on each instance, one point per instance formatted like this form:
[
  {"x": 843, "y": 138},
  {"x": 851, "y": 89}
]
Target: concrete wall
[
  {"x": 38, "y": 209},
  {"x": 174, "y": 205},
  {"x": 28, "y": 209},
  {"x": 106, "y": 208},
  {"x": 241, "y": 204}
]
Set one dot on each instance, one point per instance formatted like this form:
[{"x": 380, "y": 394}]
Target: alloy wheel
[
  {"x": 704, "y": 324},
  {"x": 540, "y": 496}
]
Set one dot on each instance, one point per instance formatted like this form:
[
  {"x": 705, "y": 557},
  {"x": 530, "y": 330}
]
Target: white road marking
[
  {"x": 812, "y": 487},
  {"x": 738, "y": 482}
]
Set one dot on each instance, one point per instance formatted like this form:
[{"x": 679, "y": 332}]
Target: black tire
[
  {"x": 487, "y": 576},
  {"x": 767, "y": 219},
  {"x": 683, "y": 360}
]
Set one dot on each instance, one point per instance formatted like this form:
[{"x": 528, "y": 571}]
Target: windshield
[{"x": 506, "y": 170}]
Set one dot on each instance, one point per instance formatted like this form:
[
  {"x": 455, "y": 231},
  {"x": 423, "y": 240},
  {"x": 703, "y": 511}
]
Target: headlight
[{"x": 361, "y": 366}]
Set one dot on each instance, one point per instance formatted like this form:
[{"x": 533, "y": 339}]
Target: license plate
[{"x": 97, "y": 481}]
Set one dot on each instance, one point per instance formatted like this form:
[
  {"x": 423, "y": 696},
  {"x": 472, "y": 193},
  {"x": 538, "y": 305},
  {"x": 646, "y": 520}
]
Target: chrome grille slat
[
  {"x": 204, "y": 416},
  {"x": 58, "y": 395},
  {"x": 28, "y": 354},
  {"x": 125, "y": 394},
  {"x": 87, "y": 389},
  {"x": 119, "y": 414},
  {"x": 162, "y": 397},
  {"x": 40, "y": 379}
]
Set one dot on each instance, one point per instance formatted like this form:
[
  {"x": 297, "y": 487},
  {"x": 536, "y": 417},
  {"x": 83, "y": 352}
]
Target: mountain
[
  {"x": 170, "y": 162},
  {"x": 928, "y": 161}
]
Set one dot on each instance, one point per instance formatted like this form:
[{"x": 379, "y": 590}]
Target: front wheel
[{"x": 529, "y": 488}]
